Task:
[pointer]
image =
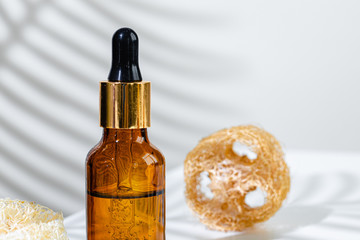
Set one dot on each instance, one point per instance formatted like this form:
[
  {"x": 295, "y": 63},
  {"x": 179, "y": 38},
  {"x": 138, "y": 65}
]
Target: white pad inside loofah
[
  {"x": 243, "y": 150},
  {"x": 204, "y": 185},
  {"x": 256, "y": 198}
]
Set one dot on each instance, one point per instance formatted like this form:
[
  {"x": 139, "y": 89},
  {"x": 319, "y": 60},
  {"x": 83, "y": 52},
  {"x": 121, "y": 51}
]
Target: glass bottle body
[{"x": 125, "y": 179}]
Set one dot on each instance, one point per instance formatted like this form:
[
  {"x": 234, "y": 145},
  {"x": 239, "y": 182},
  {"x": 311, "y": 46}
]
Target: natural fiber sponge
[
  {"x": 240, "y": 163},
  {"x": 29, "y": 221}
]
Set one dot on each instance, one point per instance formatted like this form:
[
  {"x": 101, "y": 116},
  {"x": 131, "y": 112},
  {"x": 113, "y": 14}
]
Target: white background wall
[{"x": 291, "y": 67}]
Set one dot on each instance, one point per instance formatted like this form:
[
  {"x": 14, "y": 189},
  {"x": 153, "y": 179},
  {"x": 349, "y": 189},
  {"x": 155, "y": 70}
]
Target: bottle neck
[{"x": 123, "y": 134}]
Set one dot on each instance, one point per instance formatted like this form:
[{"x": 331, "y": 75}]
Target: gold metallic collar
[{"x": 125, "y": 105}]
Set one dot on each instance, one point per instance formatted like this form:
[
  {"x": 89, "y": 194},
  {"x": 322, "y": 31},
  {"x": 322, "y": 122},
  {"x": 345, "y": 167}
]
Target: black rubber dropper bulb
[{"x": 125, "y": 52}]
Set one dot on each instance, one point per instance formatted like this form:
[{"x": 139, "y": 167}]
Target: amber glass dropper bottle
[{"x": 125, "y": 173}]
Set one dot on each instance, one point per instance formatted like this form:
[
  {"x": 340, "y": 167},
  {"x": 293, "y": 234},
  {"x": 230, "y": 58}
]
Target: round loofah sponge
[
  {"x": 27, "y": 220},
  {"x": 239, "y": 162}
]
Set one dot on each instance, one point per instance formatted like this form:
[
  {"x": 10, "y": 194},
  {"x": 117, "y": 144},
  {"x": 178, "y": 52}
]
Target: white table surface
[{"x": 324, "y": 203}]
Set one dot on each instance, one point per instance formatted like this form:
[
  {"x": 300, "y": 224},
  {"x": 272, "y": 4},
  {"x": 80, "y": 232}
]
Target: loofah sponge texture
[
  {"x": 234, "y": 176},
  {"x": 29, "y": 221}
]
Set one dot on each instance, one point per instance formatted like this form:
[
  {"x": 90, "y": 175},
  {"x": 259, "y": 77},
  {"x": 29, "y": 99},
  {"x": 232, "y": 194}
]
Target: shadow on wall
[{"x": 49, "y": 101}]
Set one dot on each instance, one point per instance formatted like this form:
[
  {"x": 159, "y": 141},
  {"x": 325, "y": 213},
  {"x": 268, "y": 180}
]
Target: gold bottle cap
[{"x": 125, "y": 104}]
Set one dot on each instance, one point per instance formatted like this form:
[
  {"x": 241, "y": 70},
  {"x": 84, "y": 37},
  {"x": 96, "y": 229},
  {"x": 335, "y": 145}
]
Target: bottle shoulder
[
  {"x": 130, "y": 167},
  {"x": 156, "y": 153},
  {"x": 93, "y": 150},
  {"x": 142, "y": 151}
]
